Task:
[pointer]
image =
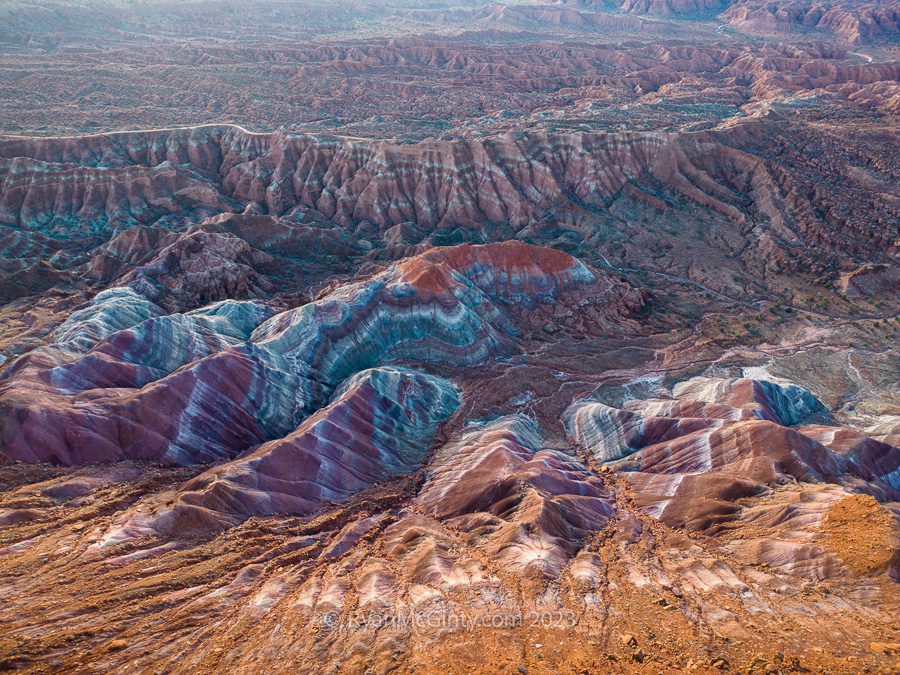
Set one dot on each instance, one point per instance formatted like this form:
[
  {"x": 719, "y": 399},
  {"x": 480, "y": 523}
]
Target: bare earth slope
[{"x": 552, "y": 337}]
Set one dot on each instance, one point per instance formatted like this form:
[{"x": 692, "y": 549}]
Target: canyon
[{"x": 545, "y": 337}]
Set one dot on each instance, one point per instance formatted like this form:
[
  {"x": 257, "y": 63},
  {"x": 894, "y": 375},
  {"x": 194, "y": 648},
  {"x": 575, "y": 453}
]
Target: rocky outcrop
[{"x": 870, "y": 280}]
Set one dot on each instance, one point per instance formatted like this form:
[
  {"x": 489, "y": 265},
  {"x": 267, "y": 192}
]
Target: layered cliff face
[
  {"x": 771, "y": 204},
  {"x": 300, "y": 350},
  {"x": 848, "y": 22},
  {"x": 853, "y": 23}
]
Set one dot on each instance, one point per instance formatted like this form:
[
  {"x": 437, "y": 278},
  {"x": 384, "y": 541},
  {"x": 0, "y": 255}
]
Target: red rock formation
[
  {"x": 527, "y": 508},
  {"x": 378, "y": 425},
  {"x": 692, "y": 457},
  {"x": 121, "y": 381},
  {"x": 851, "y": 22},
  {"x": 493, "y": 364},
  {"x": 755, "y": 172}
]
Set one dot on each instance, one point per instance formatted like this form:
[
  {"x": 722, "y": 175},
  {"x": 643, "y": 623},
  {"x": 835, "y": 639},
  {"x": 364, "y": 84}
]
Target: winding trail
[{"x": 868, "y": 58}]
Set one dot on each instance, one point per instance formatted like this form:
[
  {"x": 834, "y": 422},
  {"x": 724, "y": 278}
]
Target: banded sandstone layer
[{"x": 519, "y": 344}]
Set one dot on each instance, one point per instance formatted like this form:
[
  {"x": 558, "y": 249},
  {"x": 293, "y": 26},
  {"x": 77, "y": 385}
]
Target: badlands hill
[{"x": 551, "y": 337}]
